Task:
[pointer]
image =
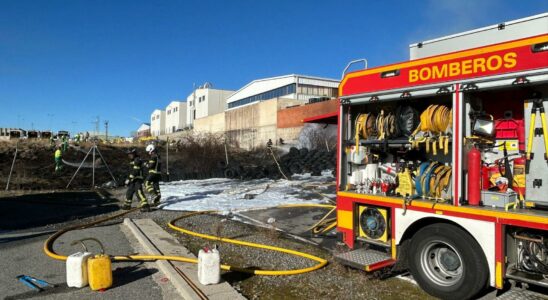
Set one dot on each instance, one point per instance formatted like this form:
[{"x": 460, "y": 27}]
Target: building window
[
  {"x": 318, "y": 91},
  {"x": 275, "y": 93}
]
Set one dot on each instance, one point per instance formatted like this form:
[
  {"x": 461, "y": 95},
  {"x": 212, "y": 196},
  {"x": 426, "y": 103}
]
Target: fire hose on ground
[{"x": 320, "y": 262}]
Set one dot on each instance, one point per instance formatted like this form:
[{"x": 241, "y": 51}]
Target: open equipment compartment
[
  {"x": 390, "y": 143},
  {"x": 510, "y": 146}
]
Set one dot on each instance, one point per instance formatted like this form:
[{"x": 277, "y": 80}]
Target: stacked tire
[{"x": 296, "y": 161}]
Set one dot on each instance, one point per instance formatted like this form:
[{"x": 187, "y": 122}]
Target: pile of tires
[{"x": 296, "y": 161}]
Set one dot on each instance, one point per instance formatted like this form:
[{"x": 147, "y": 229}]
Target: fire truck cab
[{"x": 443, "y": 161}]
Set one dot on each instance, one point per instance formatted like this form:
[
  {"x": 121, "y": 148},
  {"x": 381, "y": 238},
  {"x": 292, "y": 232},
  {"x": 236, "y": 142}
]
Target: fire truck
[{"x": 443, "y": 161}]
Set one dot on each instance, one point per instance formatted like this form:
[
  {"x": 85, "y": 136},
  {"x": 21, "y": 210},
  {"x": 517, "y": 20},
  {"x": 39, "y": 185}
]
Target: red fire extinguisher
[
  {"x": 485, "y": 177},
  {"x": 474, "y": 176}
]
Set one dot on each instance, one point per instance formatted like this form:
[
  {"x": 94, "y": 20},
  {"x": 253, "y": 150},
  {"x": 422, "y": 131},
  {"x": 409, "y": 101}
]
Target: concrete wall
[
  {"x": 251, "y": 126},
  {"x": 213, "y": 124}
]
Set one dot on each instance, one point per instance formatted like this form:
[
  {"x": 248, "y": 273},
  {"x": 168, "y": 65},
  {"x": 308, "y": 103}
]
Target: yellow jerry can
[
  {"x": 99, "y": 272},
  {"x": 99, "y": 269}
]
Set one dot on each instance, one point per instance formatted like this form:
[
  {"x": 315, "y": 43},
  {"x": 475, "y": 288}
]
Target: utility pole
[
  {"x": 106, "y": 130},
  {"x": 97, "y": 122}
]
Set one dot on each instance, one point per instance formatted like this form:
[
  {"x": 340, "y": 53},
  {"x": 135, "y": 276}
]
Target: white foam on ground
[{"x": 227, "y": 195}]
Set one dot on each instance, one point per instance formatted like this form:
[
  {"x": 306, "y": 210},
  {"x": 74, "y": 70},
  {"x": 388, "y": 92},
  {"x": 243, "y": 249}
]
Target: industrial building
[
  {"x": 268, "y": 108},
  {"x": 272, "y": 108},
  {"x": 176, "y": 114},
  {"x": 157, "y": 122},
  {"x": 205, "y": 101},
  {"x": 298, "y": 87}
]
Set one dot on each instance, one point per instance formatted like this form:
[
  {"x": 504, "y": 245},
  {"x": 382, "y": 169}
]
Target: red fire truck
[{"x": 443, "y": 161}]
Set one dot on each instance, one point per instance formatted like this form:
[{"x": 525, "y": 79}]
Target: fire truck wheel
[{"x": 447, "y": 262}]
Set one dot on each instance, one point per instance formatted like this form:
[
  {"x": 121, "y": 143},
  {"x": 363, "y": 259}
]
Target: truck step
[
  {"x": 533, "y": 279},
  {"x": 365, "y": 259},
  {"x": 521, "y": 294}
]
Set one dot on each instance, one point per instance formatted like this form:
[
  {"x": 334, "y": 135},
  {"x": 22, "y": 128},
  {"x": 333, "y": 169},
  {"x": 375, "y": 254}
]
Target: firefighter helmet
[{"x": 150, "y": 148}]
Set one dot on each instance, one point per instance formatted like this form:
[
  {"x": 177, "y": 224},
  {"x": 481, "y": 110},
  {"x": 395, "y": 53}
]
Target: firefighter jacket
[
  {"x": 136, "y": 169},
  {"x": 153, "y": 164}
]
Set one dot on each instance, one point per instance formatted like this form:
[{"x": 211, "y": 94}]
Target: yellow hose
[
  {"x": 48, "y": 246},
  {"x": 321, "y": 262}
]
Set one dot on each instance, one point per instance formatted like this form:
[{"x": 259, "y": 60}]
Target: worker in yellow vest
[{"x": 58, "y": 159}]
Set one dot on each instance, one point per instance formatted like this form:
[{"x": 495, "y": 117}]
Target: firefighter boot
[
  {"x": 144, "y": 204},
  {"x": 145, "y": 207},
  {"x": 156, "y": 200},
  {"x": 126, "y": 205}
]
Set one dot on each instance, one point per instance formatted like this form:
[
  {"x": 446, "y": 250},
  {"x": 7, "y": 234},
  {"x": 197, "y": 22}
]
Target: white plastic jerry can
[
  {"x": 77, "y": 269},
  {"x": 209, "y": 266}
]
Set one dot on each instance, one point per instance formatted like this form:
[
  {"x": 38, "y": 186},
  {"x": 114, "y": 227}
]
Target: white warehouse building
[
  {"x": 298, "y": 87},
  {"x": 157, "y": 122},
  {"x": 205, "y": 101},
  {"x": 175, "y": 116}
]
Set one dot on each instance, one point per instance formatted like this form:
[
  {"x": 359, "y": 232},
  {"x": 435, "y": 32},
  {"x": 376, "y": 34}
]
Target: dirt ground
[
  {"x": 34, "y": 165},
  {"x": 198, "y": 157}
]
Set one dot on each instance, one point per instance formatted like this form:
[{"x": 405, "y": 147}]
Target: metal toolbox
[{"x": 496, "y": 199}]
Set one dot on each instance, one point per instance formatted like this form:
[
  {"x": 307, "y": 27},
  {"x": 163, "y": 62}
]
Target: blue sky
[{"x": 62, "y": 63}]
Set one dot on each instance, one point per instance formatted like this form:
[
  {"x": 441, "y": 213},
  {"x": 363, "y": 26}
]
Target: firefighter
[
  {"x": 58, "y": 156},
  {"x": 64, "y": 138},
  {"x": 152, "y": 182},
  {"x": 269, "y": 144},
  {"x": 52, "y": 141},
  {"x": 135, "y": 182}
]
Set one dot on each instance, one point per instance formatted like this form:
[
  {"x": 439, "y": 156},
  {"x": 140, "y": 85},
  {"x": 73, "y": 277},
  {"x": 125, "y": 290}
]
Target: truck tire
[{"x": 447, "y": 262}]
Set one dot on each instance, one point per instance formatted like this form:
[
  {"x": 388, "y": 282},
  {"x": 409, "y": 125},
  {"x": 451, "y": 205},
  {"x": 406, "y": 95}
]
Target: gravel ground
[{"x": 331, "y": 282}]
